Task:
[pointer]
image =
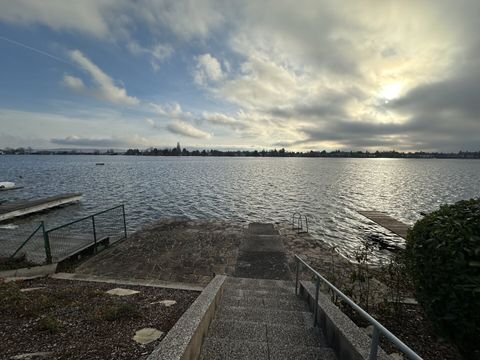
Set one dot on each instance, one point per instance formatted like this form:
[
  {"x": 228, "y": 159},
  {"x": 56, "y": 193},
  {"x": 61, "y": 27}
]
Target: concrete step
[
  {"x": 227, "y": 349},
  {"x": 265, "y": 315},
  {"x": 300, "y": 353},
  {"x": 284, "y": 335},
  {"x": 286, "y": 303},
  {"x": 267, "y": 293},
  {"x": 253, "y": 284}
]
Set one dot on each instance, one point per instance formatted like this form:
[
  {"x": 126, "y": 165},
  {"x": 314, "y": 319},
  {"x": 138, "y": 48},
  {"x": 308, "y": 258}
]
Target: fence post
[
  {"x": 317, "y": 289},
  {"x": 46, "y": 240},
  {"x": 94, "y": 235},
  {"x": 374, "y": 344},
  {"x": 296, "y": 276},
  {"x": 124, "y": 221}
]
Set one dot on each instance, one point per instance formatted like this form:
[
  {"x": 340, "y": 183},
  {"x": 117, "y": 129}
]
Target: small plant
[
  {"x": 50, "y": 324},
  {"x": 443, "y": 258},
  {"x": 118, "y": 311},
  {"x": 360, "y": 276}
]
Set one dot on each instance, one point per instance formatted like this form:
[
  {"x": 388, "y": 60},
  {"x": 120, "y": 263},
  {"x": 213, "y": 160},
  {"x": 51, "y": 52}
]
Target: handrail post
[
  {"x": 46, "y": 241},
  {"x": 94, "y": 235},
  {"x": 317, "y": 289},
  {"x": 374, "y": 345},
  {"x": 124, "y": 221},
  {"x": 296, "y": 275}
]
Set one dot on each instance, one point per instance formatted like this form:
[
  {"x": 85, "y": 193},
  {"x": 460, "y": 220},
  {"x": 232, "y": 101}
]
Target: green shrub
[{"x": 443, "y": 259}]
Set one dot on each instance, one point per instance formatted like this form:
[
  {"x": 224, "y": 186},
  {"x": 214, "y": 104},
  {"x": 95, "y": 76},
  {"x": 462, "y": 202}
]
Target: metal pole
[
  {"x": 94, "y": 236},
  {"x": 317, "y": 289},
  {"x": 374, "y": 345},
  {"x": 296, "y": 276},
  {"x": 124, "y": 221},
  {"x": 46, "y": 240}
]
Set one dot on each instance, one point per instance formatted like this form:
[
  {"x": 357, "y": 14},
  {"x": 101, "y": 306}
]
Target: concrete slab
[
  {"x": 32, "y": 289},
  {"x": 34, "y": 355},
  {"x": 134, "y": 282},
  {"x": 122, "y": 292},
  {"x": 268, "y": 243},
  {"x": 147, "y": 335},
  {"x": 264, "y": 265},
  {"x": 262, "y": 229}
]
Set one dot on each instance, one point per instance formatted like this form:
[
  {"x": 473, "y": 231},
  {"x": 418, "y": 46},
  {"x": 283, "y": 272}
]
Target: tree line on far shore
[{"x": 176, "y": 151}]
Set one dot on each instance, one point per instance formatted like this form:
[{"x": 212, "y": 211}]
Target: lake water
[{"x": 328, "y": 191}]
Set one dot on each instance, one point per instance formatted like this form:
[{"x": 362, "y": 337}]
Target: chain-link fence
[
  {"x": 25, "y": 243},
  {"x": 103, "y": 228},
  {"x": 38, "y": 245}
]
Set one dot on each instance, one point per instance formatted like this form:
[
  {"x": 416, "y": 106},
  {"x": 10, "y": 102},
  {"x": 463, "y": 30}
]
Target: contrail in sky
[{"x": 35, "y": 50}]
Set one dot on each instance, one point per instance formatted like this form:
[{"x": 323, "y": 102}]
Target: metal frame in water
[{"x": 378, "y": 329}]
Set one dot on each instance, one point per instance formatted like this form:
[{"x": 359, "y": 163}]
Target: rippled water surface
[{"x": 329, "y": 191}]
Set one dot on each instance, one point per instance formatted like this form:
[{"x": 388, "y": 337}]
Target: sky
[{"x": 303, "y": 75}]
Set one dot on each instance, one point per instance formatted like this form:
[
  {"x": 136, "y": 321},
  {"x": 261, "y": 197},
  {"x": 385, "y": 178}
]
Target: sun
[{"x": 390, "y": 91}]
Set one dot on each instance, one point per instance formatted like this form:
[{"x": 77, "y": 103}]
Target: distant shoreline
[{"x": 253, "y": 154}]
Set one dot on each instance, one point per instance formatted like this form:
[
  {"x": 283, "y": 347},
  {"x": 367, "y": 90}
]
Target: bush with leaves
[{"x": 443, "y": 259}]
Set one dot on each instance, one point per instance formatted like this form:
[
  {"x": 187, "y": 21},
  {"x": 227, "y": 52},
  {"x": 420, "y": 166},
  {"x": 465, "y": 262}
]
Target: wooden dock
[
  {"x": 12, "y": 188},
  {"x": 15, "y": 209},
  {"x": 387, "y": 222}
]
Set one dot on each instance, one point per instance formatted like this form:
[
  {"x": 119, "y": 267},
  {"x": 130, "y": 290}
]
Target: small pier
[
  {"x": 21, "y": 208},
  {"x": 387, "y": 222},
  {"x": 11, "y": 188}
]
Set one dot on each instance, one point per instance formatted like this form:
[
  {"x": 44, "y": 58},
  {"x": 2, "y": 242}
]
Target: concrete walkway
[
  {"x": 262, "y": 254},
  {"x": 263, "y": 319}
]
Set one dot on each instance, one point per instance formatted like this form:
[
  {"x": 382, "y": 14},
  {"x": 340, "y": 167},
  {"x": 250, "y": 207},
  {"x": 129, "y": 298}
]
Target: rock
[
  {"x": 36, "y": 355},
  {"x": 122, "y": 292},
  {"x": 147, "y": 335},
  {"x": 166, "y": 303},
  {"x": 32, "y": 289},
  {"x": 396, "y": 356}
]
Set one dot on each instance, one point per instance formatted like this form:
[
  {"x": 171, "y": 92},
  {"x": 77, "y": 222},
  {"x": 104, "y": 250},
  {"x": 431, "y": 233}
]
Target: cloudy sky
[{"x": 303, "y": 74}]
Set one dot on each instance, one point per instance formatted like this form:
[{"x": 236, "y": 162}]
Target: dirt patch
[{"x": 74, "y": 319}]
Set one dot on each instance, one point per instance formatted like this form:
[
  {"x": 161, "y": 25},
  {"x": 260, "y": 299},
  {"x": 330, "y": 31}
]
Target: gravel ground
[{"x": 78, "y": 320}]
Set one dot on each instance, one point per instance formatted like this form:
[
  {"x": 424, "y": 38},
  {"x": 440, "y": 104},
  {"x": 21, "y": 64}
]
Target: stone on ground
[
  {"x": 167, "y": 303},
  {"x": 35, "y": 355},
  {"x": 32, "y": 289},
  {"x": 122, "y": 292},
  {"x": 147, "y": 335}
]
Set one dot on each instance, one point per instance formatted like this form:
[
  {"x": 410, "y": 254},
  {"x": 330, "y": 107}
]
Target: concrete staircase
[{"x": 263, "y": 319}]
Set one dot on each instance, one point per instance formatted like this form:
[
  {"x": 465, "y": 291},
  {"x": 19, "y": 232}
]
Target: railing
[
  {"x": 378, "y": 329},
  {"x": 104, "y": 228},
  {"x": 41, "y": 246},
  {"x": 17, "y": 242},
  {"x": 297, "y": 223}
]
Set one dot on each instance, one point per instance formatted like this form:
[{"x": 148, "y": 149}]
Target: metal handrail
[
  {"x": 85, "y": 218},
  {"x": 377, "y": 327}
]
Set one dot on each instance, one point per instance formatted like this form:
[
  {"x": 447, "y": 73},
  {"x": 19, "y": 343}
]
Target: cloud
[
  {"x": 188, "y": 130},
  {"x": 157, "y": 53},
  {"x": 104, "y": 87},
  {"x": 74, "y": 83},
  {"x": 207, "y": 69},
  {"x": 117, "y": 19},
  {"x": 217, "y": 118},
  {"x": 171, "y": 111},
  {"x": 93, "y": 142}
]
